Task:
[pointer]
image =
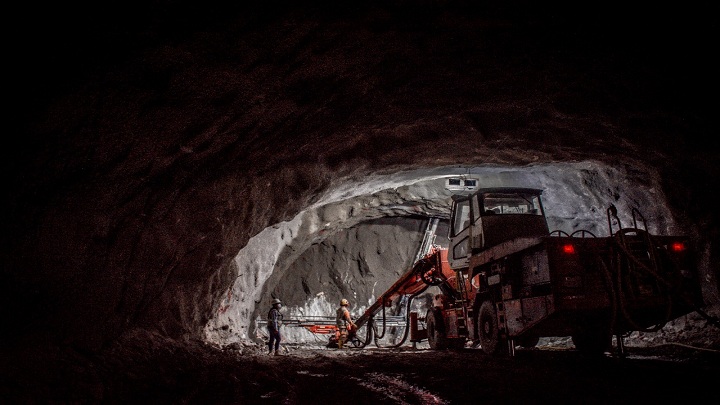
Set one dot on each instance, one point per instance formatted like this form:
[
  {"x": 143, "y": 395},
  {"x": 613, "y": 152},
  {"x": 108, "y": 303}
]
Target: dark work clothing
[
  {"x": 274, "y": 340},
  {"x": 274, "y": 319},
  {"x": 274, "y": 323}
]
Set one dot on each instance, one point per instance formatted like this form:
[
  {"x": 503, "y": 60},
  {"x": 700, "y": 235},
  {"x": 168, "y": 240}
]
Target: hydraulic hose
[
  {"x": 621, "y": 296},
  {"x": 407, "y": 322}
]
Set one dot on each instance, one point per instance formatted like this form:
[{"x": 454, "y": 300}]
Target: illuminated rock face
[{"x": 176, "y": 183}]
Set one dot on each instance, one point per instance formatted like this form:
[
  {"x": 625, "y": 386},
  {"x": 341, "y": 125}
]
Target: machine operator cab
[{"x": 491, "y": 216}]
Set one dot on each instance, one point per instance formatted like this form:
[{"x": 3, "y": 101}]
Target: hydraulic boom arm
[{"x": 430, "y": 270}]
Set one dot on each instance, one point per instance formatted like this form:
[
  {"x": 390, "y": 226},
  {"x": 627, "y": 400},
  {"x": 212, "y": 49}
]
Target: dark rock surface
[
  {"x": 148, "y": 143},
  {"x": 150, "y": 368}
]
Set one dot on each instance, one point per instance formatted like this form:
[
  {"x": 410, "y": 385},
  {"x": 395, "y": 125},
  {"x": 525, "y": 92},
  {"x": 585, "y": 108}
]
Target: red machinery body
[
  {"x": 505, "y": 280},
  {"x": 417, "y": 280},
  {"x": 514, "y": 281}
]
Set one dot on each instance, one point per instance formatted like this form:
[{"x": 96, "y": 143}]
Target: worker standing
[
  {"x": 274, "y": 322},
  {"x": 344, "y": 322}
]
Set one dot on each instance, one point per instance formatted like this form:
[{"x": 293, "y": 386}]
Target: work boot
[{"x": 277, "y": 353}]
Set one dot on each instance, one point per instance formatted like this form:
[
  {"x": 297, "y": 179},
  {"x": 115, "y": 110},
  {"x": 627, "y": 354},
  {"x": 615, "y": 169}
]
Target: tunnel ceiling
[{"x": 152, "y": 143}]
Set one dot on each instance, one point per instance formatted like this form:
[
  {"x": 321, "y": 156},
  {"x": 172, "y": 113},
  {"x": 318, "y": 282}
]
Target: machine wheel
[
  {"x": 593, "y": 340},
  {"x": 490, "y": 339},
  {"x": 435, "y": 330}
]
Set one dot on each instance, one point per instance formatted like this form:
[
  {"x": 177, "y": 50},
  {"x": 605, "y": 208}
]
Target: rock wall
[{"x": 150, "y": 147}]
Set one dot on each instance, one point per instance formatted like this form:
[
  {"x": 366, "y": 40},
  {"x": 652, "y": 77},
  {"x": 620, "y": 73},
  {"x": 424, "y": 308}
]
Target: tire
[
  {"x": 490, "y": 340},
  {"x": 435, "y": 330}
]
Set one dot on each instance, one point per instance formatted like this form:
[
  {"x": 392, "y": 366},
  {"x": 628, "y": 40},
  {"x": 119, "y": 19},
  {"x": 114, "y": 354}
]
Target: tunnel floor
[
  {"x": 424, "y": 376},
  {"x": 143, "y": 371}
]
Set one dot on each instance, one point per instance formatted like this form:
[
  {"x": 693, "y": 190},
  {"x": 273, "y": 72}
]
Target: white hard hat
[{"x": 276, "y": 301}]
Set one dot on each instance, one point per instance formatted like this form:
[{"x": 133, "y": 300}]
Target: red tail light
[
  {"x": 569, "y": 249},
  {"x": 677, "y": 246}
]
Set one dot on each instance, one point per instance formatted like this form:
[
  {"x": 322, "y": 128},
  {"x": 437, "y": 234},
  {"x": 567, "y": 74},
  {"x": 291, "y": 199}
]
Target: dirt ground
[
  {"x": 409, "y": 376},
  {"x": 149, "y": 370}
]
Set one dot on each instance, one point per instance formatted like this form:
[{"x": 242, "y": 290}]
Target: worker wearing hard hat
[
  {"x": 274, "y": 322},
  {"x": 344, "y": 322}
]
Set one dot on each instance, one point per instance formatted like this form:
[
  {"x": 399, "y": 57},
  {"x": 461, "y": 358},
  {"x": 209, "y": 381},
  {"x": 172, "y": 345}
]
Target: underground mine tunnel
[
  {"x": 361, "y": 238},
  {"x": 171, "y": 167}
]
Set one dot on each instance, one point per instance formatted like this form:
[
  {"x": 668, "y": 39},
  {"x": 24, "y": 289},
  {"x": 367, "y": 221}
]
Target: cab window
[
  {"x": 461, "y": 219},
  {"x": 515, "y": 203}
]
